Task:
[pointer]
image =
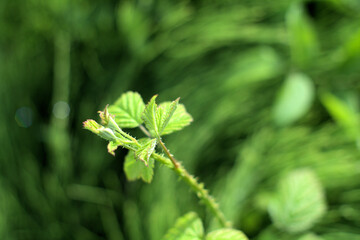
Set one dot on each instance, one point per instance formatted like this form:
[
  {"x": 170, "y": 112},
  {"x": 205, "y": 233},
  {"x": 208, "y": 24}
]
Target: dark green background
[{"x": 226, "y": 59}]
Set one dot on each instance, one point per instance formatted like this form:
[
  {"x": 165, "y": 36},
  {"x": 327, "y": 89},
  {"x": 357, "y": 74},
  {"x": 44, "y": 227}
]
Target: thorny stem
[
  {"x": 197, "y": 187},
  {"x": 167, "y": 152}
]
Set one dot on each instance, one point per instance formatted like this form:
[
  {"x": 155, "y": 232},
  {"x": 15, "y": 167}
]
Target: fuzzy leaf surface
[
  {"x": 144, "y": 152},
  {"x": 136, "y": 169},
  {"x": 187, "y": 227},
  {"x": 165, "y": 112},
  {"x": 226, "y": 234},
  {"x": 127, "y": 110},
  {"x": 150, "y": 117},
  {"x": 298, "y": 203},
  {"x": 165, "y": 118},
  {"x": 178, "y": 121}
]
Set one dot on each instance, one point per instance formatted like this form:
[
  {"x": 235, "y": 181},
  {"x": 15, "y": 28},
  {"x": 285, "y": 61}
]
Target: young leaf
[
  {"x": 157, "y": 119},
  {"x": 165, "y": 112},
  {"x": 226, "y": 234},
  {"x": 136, "y": 169},
  {"x": 127, "y": 110},
  {"x": 187, "y": 227},
  {"x": 144, "y": 152},
  {"x": 150, "y": 117},
  {"x": 178, "y": 121},
  {"x": 299, "y": 202},
  {"x": 112, "y": 146}
]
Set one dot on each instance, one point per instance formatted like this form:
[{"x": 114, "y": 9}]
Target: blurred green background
[{"x": 273, "y": 87}]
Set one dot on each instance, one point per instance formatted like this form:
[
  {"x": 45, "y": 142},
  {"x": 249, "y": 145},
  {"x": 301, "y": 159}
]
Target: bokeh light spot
[
  {"x": 61, "y": 110},
  {"x": 24, "y": 117}
]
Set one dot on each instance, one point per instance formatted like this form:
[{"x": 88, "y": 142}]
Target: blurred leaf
[
  {"x": 178, "y": 121},
  {"x": 187, "y": 227},
  {"x": 134, "y": 25},
  {"x": 136, "y": 169},
  {"x": 310, "y": 236},
  {"x": 294, "y": 99},
  {"x": 127, "y": 110},
  {"x": 302, "y": 36},
  {"x": 341, "y": 236},
  {"x": 343, "y": 114},
  {"x": 226, "y": 234},
  {"x": 299, "y": 202}
]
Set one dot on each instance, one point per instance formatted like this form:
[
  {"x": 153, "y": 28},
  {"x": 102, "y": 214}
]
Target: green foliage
[
  {"x": 178, "y": 121},
  {"x": 159, "y": 119},
  {"x": 302, "y": 36},
  {"x": 226, "y": 234},
  {"x": 127, "y": 110},
  {"x": 136, "y": 169},
  {"x": 188, "y": 227},
  {"x": 299, "y": 202},
  {"x": 294, "y": 100},
  {"x": 144, "y": 152},
  {"x": 227, "y": 60}
]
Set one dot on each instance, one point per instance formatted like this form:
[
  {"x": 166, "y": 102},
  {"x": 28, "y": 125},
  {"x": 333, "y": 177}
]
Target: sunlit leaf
[
  {"x": 179, "y": 120},
  {"x": 136, "y": 169},
  {"x": 127, "y": 110},
  {"x": 294, "y": 100},
  {"x": 165, "y": 118},
  {"x": 342, "y": 112},
  {"x": 165, "y": 113},
  {"x": 299, "y": 202},
  {"x": 187, "y": 227},
  {"x": 150, "y": 117},
  {"x": 226, "y": 234}
]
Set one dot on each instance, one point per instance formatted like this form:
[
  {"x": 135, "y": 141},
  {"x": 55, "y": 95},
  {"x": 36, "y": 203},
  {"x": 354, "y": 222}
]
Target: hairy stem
[
  {"x": 167, "y": 152},
  {"x": 197, "y": 187}
]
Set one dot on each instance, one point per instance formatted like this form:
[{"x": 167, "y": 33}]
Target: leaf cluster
[{"x": 129, "y": 111}]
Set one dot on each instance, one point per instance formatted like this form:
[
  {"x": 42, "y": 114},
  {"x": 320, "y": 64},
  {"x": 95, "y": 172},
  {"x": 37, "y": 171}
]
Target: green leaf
[
  {"x": 294, "y": 100},
  {"x": 226, "y": 234},
  {"x": 150, "y": 117},
  {"x": 112, "y": 146},
  {"x": 165, "y": 118},
  {"x": 144, "y": 152},
  {"x": 299, "y": 202},
  {"x": 127, "y": 110},
  {"x": 136, "y": 169},
  {"x": 187, "y": 227},
  {"x": 342, "y": 112},
  {"x": 179, "y": 120},
  {"x": 165, "y": 113},
  {"x": 303, "y": 41}
]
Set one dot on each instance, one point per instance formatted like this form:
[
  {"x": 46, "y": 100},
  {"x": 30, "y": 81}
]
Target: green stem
[
  {"x": 143, "y": 129},
  {"x": 197, "y": 187}
]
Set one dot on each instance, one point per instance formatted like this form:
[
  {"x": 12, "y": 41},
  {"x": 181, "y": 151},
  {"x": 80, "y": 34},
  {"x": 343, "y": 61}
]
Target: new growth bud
[
  {"x": 108, "y": 120},
  {"x": 92, "y": 126},
  {"x": 107, "y": 134}
]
